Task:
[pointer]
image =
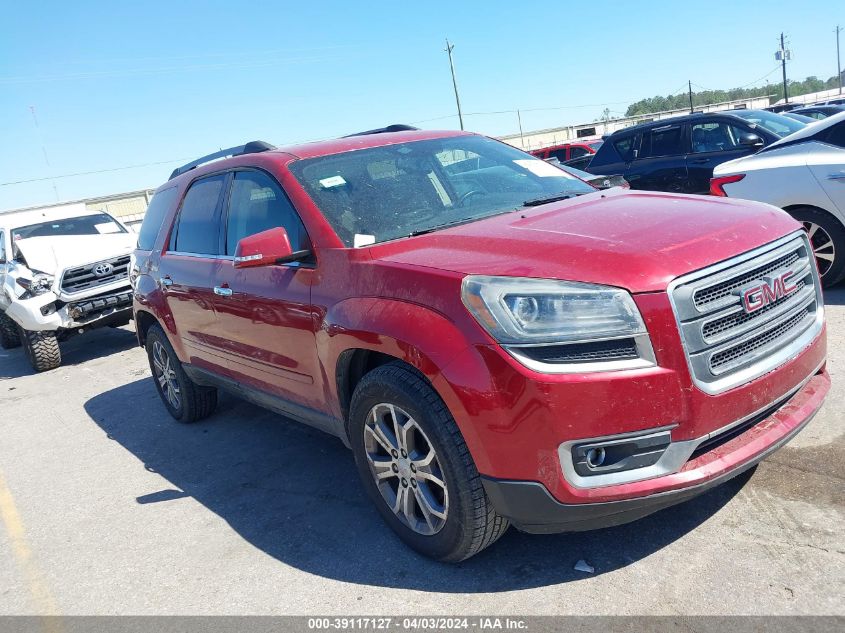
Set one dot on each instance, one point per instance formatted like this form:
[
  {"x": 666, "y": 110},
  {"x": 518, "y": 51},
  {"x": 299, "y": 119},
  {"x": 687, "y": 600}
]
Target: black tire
[
  {"x": 42, "y": 349},
  {"x": 831, "y": 272},
  {"x": 10, "y": 335},
  {"x": 471, "y": 523},
  {"x": 195, "y": 402}
]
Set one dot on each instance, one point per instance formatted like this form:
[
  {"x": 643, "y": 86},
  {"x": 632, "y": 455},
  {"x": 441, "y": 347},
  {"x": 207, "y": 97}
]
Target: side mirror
[
  {"x": 750, "y": 140},
  {"x": 265, "y": 249}
]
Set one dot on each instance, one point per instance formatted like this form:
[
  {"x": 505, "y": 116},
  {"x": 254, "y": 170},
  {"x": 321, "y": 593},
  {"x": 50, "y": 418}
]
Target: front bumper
[
  {"x": 47, "y": 313},
  {"x": 531, "y": 508}
]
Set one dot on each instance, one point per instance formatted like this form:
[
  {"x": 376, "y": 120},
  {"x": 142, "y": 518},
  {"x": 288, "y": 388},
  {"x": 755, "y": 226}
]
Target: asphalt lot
[{"x": 109, "y": 507}]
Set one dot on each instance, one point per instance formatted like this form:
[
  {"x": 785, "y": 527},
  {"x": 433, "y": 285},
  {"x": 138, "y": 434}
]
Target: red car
[
  {"x": 568, "y": 151},
  {"x": 497, "y": 342}
]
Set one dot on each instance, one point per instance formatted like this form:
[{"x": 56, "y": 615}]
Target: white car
[
  {"x": 803, "y": 174},
  {"x": 62, "y": 271}
]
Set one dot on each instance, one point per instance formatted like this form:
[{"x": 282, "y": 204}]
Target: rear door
[
  {"x": 828, "y": 166},
  {"x": 265, "y": 328},
  {"x": 660, "y": 163},
  {"x": 712, "y": 142},
  {"x": 186, "y": 268}
]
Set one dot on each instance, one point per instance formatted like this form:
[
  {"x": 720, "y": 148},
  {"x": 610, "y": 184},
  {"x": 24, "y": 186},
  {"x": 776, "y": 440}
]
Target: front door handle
[
  {"x": 839, "y": 176},
  {"x": 165, "y": 281},
  {"x": 699, "y": 161},
  {"x": 222, "y": 291}
]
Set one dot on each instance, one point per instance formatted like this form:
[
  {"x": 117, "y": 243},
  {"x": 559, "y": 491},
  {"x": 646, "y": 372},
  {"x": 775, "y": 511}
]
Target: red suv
[
  {"x": 568, "y": 151},
  {"x": 496, "y": 341}
]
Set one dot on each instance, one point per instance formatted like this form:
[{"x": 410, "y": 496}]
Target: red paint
[{"x": 284, "y": 328}]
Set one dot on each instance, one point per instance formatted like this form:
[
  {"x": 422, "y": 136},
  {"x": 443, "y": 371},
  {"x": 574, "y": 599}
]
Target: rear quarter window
[{"x": 153, "y": 218}]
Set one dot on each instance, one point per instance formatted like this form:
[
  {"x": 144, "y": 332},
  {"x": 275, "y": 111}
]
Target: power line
[{"x": 89, "y": 173}]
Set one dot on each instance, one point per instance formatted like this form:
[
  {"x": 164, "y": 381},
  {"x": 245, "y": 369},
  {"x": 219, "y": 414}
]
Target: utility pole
[
  {"x": 782, "y": 55},
  {"x": 449, "y": 48},
  {"x": 691, "y": 111},
  {"x": 838, "y": 67}
]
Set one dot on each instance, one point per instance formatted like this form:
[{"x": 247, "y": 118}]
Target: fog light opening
[{"x": 595, "y": 457}]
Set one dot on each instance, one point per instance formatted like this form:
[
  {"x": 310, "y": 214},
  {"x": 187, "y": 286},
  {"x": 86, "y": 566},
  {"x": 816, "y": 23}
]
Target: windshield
[
  {"x": 382, "y": 193},
  {"x": 97, "y": 224},
  {"x": 595, "y": 145},
  {"x": 774, "y": 123}
]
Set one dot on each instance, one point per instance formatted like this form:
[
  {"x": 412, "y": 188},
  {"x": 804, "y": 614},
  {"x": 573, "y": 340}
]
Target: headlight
[
  {"x": 518, "y": 311},
  {"x": 38, "y": 285}
]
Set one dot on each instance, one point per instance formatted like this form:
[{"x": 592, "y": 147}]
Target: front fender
[{"x": 418, "y": 335}]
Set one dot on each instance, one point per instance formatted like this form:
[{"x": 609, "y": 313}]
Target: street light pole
[
  {"x": 449, "y": 48},
  {"x": 838, "y": 67}
]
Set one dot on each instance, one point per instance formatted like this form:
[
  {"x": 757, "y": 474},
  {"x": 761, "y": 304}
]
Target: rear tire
[
  {"x": 10, "y": 336},
  {"x": 185, "y": 400},
  {"x": 827, "y": 237},
  {"x": 42, "y": 349},
  {"x": 448, "y": 516}
]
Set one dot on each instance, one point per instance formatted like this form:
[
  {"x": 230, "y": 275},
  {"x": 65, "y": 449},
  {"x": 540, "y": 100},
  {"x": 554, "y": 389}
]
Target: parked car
[
  {"x": 599, "y": 182},
  {"x": 496, "y": 341},
  {"x": 804, "y": 174},
  {"x": 679, "y": 154},
  {"x": 63, "y": 271},
  {"x": 581, "y": 163},
  {"x": 819, "y": 112},
  {"x": 568, "y": 151},
  {"x": 782, "y": 107},
  {"x": 806, "y": 120}
]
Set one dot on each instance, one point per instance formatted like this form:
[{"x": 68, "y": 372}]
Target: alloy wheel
[
  {"x": 166, "y": 375},
  {"x": 406, "y": 469},
  {"x": 823, "y": 247}
]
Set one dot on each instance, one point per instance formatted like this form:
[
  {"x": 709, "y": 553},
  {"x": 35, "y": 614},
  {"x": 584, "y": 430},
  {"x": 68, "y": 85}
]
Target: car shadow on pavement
[
  {"x": 293, "y": 492},
  {"x": 75, "y": 351}
]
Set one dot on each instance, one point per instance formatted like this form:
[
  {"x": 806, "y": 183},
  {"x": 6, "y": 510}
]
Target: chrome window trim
[
  {"x": 768, "y": 363},
  {"x": 672, "y": 460}
]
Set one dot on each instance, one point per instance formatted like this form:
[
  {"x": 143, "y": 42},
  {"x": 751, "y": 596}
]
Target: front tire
[
  {"x": 416, "y": 466},
  {"x": 10, "y": 336},
  {"x": 42, "y": 349},
  {"x": 827, "y": 237},
  {"x": 185, "y": 400}
]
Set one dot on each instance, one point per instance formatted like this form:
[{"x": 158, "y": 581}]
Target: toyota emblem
[{"x": 101, "y": 270}]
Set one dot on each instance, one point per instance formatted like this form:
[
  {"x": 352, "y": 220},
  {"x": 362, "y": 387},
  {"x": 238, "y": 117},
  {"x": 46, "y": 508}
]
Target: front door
[
  {"x": 265, "y": 326},
  {"x": 712, "y": 143}
]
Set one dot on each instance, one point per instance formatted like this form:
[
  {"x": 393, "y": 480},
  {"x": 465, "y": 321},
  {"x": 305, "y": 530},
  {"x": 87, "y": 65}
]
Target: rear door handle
[
  {"x": 165, "y": 281},
  {"x": 699, "y": 161},
  {"x": 222, "y": 292}
]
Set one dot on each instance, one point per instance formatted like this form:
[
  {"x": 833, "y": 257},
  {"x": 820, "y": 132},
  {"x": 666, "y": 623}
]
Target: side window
[
  {"x": 624, "y": 146},
  {"x": 197, "y": 230},
  {"x": 715, "y": 136},
  {"x": 560, "y": 154},
  {"x": 257, "y": 203},
  {"x": 577, "y": 152},
  {"x": 158, "y": 208},
  {"x": 661, "y": 141},
  {"x": 836, "y": 135}
]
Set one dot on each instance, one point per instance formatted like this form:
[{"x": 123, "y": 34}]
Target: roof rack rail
[
  {"x": 253, "y": 147},
  {"x": 396, "y": 127}
]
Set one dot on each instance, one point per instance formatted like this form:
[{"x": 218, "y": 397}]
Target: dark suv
[
  {"x": 679, "y": 154},
  {"x": 495, "y": 340}
]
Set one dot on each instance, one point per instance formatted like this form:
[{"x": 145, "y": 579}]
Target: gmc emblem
[{"x": 758, "y": 294}]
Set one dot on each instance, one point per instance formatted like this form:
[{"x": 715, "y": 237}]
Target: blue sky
[{"x": 115, "y": 85}]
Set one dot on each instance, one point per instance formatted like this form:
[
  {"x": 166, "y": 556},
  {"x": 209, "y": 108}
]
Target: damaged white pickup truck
[{"x": 63, "y": 271}]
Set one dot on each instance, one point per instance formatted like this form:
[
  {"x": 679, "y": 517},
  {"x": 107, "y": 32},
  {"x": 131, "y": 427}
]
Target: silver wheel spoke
[
  {"x": 405, "y": 469},
  {"x": 825, "y": 256},
  {"x": 811, "y": 229}
]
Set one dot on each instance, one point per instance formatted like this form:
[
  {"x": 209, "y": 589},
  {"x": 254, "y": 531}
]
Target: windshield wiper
[
  {"x": 442, "y": 226},
  {"x": 536, "y": 202}
]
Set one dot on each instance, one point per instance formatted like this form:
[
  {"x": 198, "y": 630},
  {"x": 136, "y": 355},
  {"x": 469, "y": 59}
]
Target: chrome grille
[
  {"x": 725, "y": 344},
  {"x": 83, "y": 278}
]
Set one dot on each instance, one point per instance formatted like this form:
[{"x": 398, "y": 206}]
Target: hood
[
  {"x": 52, "y": 255},
  {"x": 634, "y": 240}
]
